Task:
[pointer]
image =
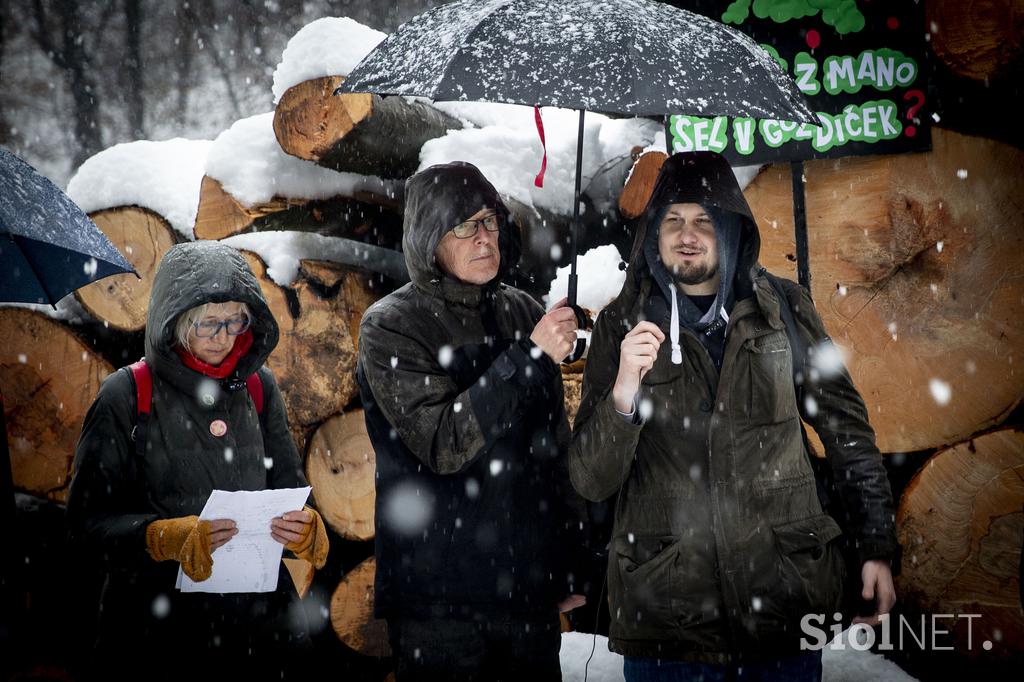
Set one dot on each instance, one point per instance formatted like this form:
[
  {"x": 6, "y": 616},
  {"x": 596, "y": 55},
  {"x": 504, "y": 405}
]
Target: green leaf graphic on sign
[
  {"x": 775, "y": 55},
  {"x": 843, "y": 15},
  {"x": 737, "y": 12}
]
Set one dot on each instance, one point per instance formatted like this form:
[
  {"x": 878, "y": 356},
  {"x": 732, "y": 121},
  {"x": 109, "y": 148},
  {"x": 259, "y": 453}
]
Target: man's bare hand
[
  {"x": 637, "y": 354},
  {"x": 878, "y": 586},
  {"x": 555, "y": 333}
]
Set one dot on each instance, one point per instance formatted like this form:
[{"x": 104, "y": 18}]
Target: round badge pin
[{"x": 218, "y": 428}]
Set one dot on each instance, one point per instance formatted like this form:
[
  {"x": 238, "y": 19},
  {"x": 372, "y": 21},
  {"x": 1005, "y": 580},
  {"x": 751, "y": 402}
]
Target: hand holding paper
[{"x": 250, "y": 561}]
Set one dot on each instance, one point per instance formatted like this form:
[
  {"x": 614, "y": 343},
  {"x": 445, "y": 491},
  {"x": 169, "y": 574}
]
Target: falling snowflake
[
  {"x": 828, "y": 359},
  {"x": 161, "y": 606},
  {"x": 408, "y": 509},
  {"x": 941, "y": 391},
  {"x": 646, "y": 409}
]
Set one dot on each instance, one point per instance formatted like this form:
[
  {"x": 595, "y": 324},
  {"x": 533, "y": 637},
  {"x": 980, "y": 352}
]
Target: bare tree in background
[
  {"x": 132, "y": 83},
  {"x": 159, "y": 68},
  {"x": 69, "y": 53}
]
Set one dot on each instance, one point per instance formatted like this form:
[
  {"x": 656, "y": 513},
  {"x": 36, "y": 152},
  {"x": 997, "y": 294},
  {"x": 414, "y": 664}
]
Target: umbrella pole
[
  {"x": 576, "y": 212},
  {"x": 803, "y": 266}
]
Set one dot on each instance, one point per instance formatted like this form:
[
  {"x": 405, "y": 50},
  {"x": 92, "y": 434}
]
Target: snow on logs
[
  {"x": 50, "y": 377},
  {"x": 122, "y": 301},
  {"x": 960, "y": 522},
  {"x": 915, "y": 260},
  {"x": 356, "y": 133}
]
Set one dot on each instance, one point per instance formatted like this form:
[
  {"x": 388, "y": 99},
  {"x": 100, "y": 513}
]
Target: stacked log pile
[{"x": 916, "y": 270}]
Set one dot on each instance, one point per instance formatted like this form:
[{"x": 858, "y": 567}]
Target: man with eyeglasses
[{"x": 476, "y": 522}]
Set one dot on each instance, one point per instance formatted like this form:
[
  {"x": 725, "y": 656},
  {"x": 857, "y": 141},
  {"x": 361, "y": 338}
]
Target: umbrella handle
[{"x": 583, "y": 321}]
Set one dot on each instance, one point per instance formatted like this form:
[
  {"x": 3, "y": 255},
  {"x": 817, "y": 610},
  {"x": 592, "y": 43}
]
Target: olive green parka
[{"x": 719, "y": 544}]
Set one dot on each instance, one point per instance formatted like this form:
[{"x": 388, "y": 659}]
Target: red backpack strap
[
  {"x": 143, "y": 378},
  {"x": 254, "y": 385},
  {"x": 143, "y": 386}
]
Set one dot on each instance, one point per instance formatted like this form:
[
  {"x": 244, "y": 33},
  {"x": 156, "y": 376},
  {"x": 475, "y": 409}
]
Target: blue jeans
[{"x": 802, "y": 668}]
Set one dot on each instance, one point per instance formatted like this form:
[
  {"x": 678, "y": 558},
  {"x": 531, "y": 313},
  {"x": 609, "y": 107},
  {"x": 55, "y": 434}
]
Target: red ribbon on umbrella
[{"x": 539, "y": 180}]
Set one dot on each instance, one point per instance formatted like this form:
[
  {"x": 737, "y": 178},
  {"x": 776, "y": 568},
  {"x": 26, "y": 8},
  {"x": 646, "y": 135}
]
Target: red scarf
[{"x": 242, "y": 345}]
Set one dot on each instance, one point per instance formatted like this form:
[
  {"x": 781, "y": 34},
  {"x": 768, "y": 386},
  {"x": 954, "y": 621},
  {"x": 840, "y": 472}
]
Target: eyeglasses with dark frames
[
  {"x": 206, "y": 329},
  {"x": 469, "y": 228}
]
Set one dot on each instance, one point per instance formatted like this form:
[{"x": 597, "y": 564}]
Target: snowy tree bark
[
  {"x": 133, "y": 81},
  {"x": 71, "y": 57}
]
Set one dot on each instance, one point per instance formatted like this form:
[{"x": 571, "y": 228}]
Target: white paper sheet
[{"x": 249, "y": 562}]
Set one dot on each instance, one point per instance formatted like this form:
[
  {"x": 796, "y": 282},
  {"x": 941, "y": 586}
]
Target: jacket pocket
[
  {"x": 811, "y": 570},
  {"x": 772, "y": 398},
  {"x": 642, "y": 579}
]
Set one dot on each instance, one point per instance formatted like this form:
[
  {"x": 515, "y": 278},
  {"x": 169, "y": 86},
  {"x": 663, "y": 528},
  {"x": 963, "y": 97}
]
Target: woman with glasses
[{"x": 215, "y": 420}]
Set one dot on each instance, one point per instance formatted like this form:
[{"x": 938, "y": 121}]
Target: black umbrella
[
  {"x": 48, "y": 245},
  {"x": 624, "y": 57}
]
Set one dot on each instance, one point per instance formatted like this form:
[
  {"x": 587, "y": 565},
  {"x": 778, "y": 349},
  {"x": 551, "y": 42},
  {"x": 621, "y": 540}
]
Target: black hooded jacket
[
  {"x": 466, "y": 417},
  {"x": 115, "y": 494}
]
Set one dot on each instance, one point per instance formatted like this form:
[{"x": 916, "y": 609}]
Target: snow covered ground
[{"x": 847, "y": 665}]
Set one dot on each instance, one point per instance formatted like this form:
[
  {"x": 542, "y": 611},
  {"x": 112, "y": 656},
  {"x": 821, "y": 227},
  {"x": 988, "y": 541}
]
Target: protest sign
[{"x": 859, "y": 63}]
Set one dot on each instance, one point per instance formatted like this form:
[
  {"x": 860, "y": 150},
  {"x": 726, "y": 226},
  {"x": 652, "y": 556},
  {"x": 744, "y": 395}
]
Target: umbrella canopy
[
  {"x": 48, "y": 245},
  {"x": 624, "y": 57},
  {"x": 629, "y": 57}
]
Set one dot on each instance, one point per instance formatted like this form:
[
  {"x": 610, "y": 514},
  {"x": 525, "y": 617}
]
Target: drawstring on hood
[
  {"x": 703, "y": 178},
  {"x": 677, "y": 351}
]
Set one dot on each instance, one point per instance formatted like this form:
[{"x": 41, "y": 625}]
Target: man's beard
[{"x": 693, "y": 273}]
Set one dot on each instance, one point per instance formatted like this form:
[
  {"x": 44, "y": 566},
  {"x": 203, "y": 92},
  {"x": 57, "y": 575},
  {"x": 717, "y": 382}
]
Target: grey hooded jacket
[{"x": 719, "y": 544}]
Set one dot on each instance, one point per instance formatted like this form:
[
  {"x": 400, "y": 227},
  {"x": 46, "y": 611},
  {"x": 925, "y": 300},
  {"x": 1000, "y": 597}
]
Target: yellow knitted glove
[
  {"x": 313, "y": 545},
  {"x": 186, "y": 540}
]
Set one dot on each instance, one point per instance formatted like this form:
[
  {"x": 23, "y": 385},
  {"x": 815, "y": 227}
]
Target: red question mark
[{"x": 918, "y": 98}]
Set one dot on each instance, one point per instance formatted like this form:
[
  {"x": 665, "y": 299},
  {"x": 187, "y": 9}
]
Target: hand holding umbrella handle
[{"x": 584, "y": 322}]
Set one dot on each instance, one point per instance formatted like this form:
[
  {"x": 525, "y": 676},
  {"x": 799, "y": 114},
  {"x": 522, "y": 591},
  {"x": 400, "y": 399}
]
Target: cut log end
[
  {"x": 122, "y": 301},
  {"x": 640, "y": 184},
  {"x": 961, "y": 520},
  {"x": 977, "y": 40},
  {"x": 49, "y": 379},
  {"x": 352, "y": 613},
  {"x": 309, "y": 117},
  {"x": 341, "y": 467}
]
